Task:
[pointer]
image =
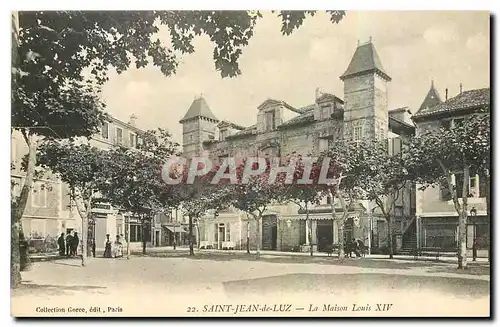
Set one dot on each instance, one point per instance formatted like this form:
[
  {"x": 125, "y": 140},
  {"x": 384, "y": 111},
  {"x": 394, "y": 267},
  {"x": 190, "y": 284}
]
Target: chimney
[
  {"x": 460, "y": 88},
  {"x": 446, "y": 95},
  {"x": 132, "y": 120}
]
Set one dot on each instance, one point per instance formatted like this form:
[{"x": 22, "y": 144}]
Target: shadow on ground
[
  {"x": 472, "y": 269},
  {"x": 363, "y": 262},
  {"x": 352, "y": 284},
  {"x": 27, "y": 288}
]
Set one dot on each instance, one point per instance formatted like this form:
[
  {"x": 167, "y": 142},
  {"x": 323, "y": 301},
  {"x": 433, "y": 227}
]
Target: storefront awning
[{"x": 175, "y": 229}]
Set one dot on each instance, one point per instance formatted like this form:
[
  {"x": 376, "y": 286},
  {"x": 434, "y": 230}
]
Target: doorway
[
  {"x": 157, "y": 238},
  {"x": 221, "y": 235},
  {"x": 269, "y": 232},
  {"x": 325, "y": 234}
]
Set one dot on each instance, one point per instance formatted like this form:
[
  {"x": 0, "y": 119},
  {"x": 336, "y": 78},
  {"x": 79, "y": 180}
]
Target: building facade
[
  {"x": 281, "y": 130},
  {"x": 50, "y": 211},
  {"x": 436, "y": 215}
]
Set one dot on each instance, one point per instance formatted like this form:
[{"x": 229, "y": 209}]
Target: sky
[{"x": 449, "y": 47}]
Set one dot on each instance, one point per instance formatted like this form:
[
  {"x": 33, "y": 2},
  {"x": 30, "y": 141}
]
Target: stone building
[
  {"x": 281, "y": 129},
  {"x": 437, "y": 219}
]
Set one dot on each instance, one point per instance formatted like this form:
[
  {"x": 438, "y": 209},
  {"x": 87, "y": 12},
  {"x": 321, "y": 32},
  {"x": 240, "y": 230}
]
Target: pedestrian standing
[
  {"x": 62, "y": 246},
  {"x": 74, "y": 243},
  {"x": 69, "y": 241}
]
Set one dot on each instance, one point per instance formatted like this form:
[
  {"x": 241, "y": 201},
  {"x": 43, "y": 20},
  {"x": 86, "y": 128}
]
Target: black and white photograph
[{"x": 250, "y": 163}]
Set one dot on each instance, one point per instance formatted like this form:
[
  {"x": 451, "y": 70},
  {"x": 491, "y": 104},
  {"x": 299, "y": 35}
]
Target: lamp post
[{"x": 473, "y": 213}]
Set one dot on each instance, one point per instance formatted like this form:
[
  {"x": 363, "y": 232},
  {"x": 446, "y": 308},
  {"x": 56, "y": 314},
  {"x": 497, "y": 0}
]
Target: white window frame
[
  {"x": 116, "y": 136},
  {"x": 322, "y": 142},
  {"x": 270, "y": 117},
  {"x": 132, "y": 137},
  {"x": 325, "y": 112},
  {"x": 357, "y": 133},
  {"x": 107, "y": 124},
  {"x": 37, "y": 187}
]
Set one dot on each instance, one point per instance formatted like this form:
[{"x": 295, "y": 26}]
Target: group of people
[
  {"x": 68, "y": 245},
  {"x": 113, "y": 249},
  {"x": 356, "y": 246}
]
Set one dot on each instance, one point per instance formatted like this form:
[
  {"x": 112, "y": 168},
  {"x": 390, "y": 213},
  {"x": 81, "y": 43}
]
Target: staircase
[{"x": 409, "y": 239}]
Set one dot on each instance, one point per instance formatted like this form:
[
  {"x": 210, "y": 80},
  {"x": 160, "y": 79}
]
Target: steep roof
[
  {"x": 199, "y": 108},
  {"x": 465, "y": 100},
  {"x": 431, "y": 99},
  {"x": 364, "y": 60}
]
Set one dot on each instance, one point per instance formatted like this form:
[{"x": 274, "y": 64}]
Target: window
[
  {"x": 328, "y": 200},
  {"x": 325, "y": 112},
  {"x": 357, "y": 133},
  {"x": 228, "y": 233},
  {"x": 446, "y": 124},
  {"x": 39, "y": 195},
  {"x": 119, "y": 135},
  {"x": 136, "y": 234},
  {"x": 105, "y": 131},
  {"x": 324, "y": 145},
  {"x": 132, "y": 140},
  {"x": 222, "y": 134},
  {"x": 270, "y": 120}
]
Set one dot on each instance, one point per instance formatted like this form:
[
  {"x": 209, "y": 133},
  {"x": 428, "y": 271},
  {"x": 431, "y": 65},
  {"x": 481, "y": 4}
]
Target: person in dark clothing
[
  {"x": 354, "y": 247},
  {"x": 107, "y": 247},
  {"x": 361, "y": 247},
  {"x": 74, "y": 244},
  {"x": 93, "y": 248},
  {"x": 69, "y": 240},
  {"x": 62, "y": 246}
]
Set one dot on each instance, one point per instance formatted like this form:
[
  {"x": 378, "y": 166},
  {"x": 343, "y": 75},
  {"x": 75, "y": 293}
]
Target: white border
[{"x": 186, "y": 5}]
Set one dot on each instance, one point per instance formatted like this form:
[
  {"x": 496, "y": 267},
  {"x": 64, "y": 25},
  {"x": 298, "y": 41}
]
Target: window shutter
[
  {"x": 216, "y": 233},
  {"x": 396, "y": 145},
  {"x": 228, "y": 233}
]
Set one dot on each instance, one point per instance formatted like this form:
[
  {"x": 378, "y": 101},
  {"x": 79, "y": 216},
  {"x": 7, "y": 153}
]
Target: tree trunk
[
  {"x": 84, "y": 237},
  {"x": 488, "y": 217},
  {"x": 197, "y": 235},
  {"x": 128, "y": 238},
  {"x": 248, "y": 235},
  {"x": 84, "y": 210},
  {"x": 309, "y": 230},
  {"x": 144, "y": 233},
  {"x": 451, "y": 186},
  {"x": 191, "y": 249},
  {"x": 345, "y": 213},
  {"x": 390, "y": 236},
  {"x": 18, "y": 211},
  {"x": 340, "y": 225},
  {"x": 259, "y": 240},
  {"x": 15, "y": 255},
  {"x": 462, "y": 222}
]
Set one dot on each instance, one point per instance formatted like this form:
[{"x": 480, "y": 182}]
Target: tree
[
  {"x": 253, "y": 193},
  {"x": 447, "y": 152},
  {"x": 82, "y": 167},
  {"x": 343, "y": 164},
  {"x": 53, "y": 95},
  {"x": 385, "y": 177},
  {"x": 304, "y": 194},
  {"x": 133, "y": 178},
  {"x": 199, "y": 196}
]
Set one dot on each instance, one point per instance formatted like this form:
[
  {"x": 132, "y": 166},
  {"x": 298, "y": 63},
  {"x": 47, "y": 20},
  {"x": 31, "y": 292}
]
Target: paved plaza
[{"x": 167, "y": 284}]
